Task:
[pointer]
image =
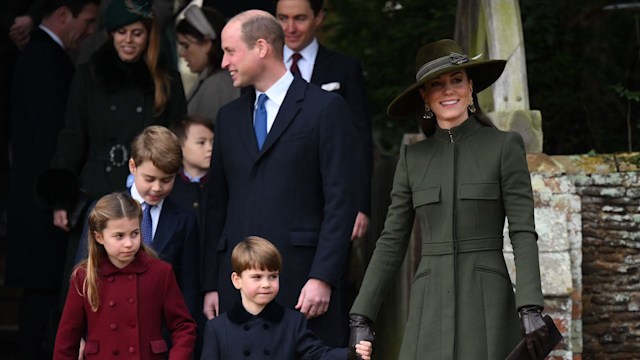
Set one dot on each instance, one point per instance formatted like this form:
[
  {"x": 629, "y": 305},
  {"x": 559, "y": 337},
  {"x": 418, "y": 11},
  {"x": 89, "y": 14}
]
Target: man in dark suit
[
  {"x": 281, "y": 169},
  {"x": 36, "y": 249},
  {"x": 334, "y": 72}
]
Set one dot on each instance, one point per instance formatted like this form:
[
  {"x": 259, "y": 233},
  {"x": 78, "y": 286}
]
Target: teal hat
[{"x": 124, "y": 12}]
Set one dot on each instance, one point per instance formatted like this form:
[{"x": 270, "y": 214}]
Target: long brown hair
[
  {"x": 113, "y": 206},
  {"x": 158, "y": 73}
]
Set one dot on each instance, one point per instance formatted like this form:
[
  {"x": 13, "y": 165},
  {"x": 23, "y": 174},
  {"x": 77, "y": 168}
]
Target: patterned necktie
[
  {"x": 260, "y": 120},
  {"x": 294, "y": 64},
  {"x": 147, "y": 227}
]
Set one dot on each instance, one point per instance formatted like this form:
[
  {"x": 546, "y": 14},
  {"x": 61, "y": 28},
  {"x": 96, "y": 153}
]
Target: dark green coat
[
  {"x": 110, "y": 102},
  {"x": 459, "y": 184}
]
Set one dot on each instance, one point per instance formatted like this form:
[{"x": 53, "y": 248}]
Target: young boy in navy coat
[{"x": 258, "y": 327}]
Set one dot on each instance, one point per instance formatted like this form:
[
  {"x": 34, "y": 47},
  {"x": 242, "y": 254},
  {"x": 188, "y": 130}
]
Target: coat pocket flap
[
  {"x": 158, "y": 346},
  {"x": 479, "y": 191},
  {"x": 304, "y": 238},
  {"x": 426, "y": 196},
  {"x": 91, "y": 347}
]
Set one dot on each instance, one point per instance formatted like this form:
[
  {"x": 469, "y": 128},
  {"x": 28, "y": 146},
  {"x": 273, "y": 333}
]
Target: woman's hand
[{"x": 534, "y": 330}]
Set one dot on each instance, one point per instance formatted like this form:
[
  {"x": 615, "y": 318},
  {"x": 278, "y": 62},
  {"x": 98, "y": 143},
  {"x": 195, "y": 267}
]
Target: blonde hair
[
  {"x": 160, "y": 146},
  {"x": 255, "y": 253},
  {"x": 113, "y": 206}
]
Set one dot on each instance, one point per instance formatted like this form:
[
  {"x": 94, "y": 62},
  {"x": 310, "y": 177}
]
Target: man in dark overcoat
[
  {"x": 288, "y": 179},
  {"x": 36, "y": 249}
]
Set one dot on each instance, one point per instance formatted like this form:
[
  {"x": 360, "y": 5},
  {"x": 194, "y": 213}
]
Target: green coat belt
[{"x": 460, "y": 184}]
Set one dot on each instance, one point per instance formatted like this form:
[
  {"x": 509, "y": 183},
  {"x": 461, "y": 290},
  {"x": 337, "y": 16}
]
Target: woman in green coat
[
  {"x": 122, "y": 89},
  {"x": 460, "y": 184}
]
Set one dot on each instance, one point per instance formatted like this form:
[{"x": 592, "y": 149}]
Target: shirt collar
[
  {"x": 309, "y": 53},
  {"x": 273, "y": 312},
  {"x": 53, "y": 35},
  {"x": 137, "y": 197},
  {"x": 192, "y": 179},
  {"x": 278, "y": 91}
]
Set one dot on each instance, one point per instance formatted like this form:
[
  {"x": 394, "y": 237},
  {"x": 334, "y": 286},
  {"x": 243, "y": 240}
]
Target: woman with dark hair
[
  {"x": 122, "y": 89},
  {"x": 460, "y": 183},
  {"x": 199, "y": 39}
]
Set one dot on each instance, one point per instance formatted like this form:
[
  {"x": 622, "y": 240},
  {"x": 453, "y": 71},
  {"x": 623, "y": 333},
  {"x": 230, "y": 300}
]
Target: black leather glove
[
  {"x": 360, "y": 330},
  {"x": 534, "y": 330}
]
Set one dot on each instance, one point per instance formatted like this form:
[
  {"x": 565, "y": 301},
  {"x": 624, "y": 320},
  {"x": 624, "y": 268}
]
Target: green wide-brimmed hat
[
  {"x": 124, "y": 12},
  {"x": 438, "y": 58}
]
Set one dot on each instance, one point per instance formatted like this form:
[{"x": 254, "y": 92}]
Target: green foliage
[{"x": 386, "y": 42}]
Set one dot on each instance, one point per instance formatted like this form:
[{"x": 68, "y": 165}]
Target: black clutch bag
[{"x": 520, "y": 351}]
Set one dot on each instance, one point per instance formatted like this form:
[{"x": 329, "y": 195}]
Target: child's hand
[{"x": 364, "y": 349}]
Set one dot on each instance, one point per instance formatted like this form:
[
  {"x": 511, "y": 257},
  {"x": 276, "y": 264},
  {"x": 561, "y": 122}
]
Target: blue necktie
[
  {"x": 260, "y": 121},
  {"x": 147, "y": 227}
]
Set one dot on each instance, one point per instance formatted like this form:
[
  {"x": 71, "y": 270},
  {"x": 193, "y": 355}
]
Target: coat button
[
  {"x": 247, "y": 353},
  {"x": 115, "y": 352},
  {"x": 107, "y": 169},
  {"x": 132, "y": 325},
  {"x": 113, "y": 326},
  {"x": 132, "y": 300},
  {"x": 195, "y": 205},
  {"x": 111, "y": 279},
  {"x": 113, "y": 108},
  {"x": 132, "y": 349},
  {"x": 265, "y": 326},
  {"x": 112, "y": 303},
  {"x": 267, "y": 352},
  {"x": 139, "y": 109},
  {"x": 130, "y": 277},
  {"x": 246, "y": 328}
]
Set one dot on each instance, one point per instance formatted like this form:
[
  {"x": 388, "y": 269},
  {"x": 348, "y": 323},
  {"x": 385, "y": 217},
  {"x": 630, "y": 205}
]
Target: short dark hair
[
  {"x": 75, "y": 6},
  {"x": 217, "y": 22},
  {"x": 181, "y": 126},
  {"x": 316, "y": 5}
]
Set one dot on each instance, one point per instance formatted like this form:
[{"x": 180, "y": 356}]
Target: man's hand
[
  {"x": 211, "y": 305},
  {"x": 314, "y": 298},
  {"x": 360, "y": 226},
  {"x": 60, "y": 219},
  {"x": 21, "y": 30}
]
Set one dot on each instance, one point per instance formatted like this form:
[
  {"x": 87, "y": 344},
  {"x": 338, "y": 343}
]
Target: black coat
[
  {"x": 109, "y": 104},
  {"x": 275, "y": 333},
  {"x": 36, "y": 249}
]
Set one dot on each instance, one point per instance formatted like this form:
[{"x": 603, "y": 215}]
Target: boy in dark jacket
[{"x": 258, "y": 327}]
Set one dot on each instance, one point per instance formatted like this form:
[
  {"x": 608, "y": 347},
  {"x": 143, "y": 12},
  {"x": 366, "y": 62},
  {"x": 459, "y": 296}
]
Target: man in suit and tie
[
  {"x": 334, "y": 72},
  {"x": 281, "y": 169},
  {"x": 36, "y": 249}
]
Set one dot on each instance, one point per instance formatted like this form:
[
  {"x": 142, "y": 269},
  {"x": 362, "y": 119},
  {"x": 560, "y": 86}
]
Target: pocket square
[{"x": 332, "y": 86}]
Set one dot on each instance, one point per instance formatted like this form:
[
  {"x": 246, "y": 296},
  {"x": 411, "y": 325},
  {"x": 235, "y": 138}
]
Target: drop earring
[
  {"x": 472, "y": 107},
  {"x": 428, "y": 114}
]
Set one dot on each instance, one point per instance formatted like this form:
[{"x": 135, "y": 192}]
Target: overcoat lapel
[
  {"x": 247, "y": 132},
  {"x": 288, "y": 111}
]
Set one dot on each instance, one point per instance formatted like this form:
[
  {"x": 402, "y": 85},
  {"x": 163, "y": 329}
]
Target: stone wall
[{"x": 588, "y": 207}]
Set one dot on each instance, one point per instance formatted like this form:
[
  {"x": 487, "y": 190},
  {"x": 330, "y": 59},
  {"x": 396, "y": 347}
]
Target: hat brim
[{"x": 482, "y": 72}]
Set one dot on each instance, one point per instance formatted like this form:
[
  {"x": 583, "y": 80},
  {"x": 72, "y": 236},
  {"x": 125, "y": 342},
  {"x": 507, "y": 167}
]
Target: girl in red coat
[{"x": 120, "y": 297}]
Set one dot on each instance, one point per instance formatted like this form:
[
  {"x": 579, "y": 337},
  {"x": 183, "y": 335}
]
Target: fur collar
[
  {"x": 112, "y": 73},
  {"x": 273, "y": 312}
]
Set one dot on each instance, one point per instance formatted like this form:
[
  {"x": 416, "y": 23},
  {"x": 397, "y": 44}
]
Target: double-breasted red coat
[{"x": 135, "y": 302}]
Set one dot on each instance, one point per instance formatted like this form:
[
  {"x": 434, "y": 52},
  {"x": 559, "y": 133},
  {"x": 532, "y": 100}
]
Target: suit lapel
[
  {"x": 321, "y": 68},
  {"x": 166, "y": 226},
  {"x": 288, "y": 111}
]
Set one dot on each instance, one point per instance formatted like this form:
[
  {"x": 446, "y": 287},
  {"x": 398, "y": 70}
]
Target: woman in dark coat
[
  {"x": 459, "y": 183},
  {"x": 122, "y": 89}
]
